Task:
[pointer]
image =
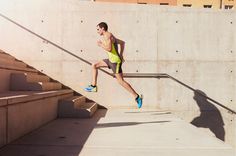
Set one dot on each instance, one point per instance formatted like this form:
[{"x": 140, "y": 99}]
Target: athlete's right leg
[{"x": 95, "y": 67}]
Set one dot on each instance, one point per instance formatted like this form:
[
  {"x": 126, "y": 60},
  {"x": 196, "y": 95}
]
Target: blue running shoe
[
  {"x": 139, "y": 101},
  {"x": 91, "y": 88}
]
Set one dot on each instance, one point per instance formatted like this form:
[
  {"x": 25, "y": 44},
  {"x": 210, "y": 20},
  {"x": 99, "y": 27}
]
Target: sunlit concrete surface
[{"x": 119, "y": 133}]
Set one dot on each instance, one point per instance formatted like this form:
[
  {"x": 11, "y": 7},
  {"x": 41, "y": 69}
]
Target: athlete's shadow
[{"x": 210, "y": 116}]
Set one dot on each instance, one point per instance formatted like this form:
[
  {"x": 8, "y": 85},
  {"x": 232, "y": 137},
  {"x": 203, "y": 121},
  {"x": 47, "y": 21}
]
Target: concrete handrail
[{"x": 127, "y": 75}]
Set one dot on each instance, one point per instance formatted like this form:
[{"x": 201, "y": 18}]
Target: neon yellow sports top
[{"x": 113, "y": 55}]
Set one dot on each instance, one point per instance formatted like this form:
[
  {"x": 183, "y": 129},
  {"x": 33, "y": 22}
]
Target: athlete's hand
[
  {"x": 99, "y": 43},
  {"x": 122, "y": 59}
]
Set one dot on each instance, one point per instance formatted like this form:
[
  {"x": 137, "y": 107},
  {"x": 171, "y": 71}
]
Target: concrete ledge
[
  {"x": 22, "y": 112},
  {"x": 15, "y": 97}
]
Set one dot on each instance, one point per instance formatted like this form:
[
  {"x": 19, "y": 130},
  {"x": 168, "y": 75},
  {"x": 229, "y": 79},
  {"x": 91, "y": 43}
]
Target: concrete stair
[
  {"x": 6, "y": 56},
  {"x": 30, "y": 77},
  {"x": 24, "y": 111},
  {"x": 9, "y": 62},
  {"x": 76, "y": 107},
  {"x": 32, "y": 82},
  {"x": 6, "y": 59},
  {"x": 31, "y": 99},
  {"x": 16, "y": 68}
]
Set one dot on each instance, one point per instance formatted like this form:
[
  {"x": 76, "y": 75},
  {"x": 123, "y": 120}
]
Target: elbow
[
  {"x": 109, "y": 49},
  {"x": 123, "y": 43}
]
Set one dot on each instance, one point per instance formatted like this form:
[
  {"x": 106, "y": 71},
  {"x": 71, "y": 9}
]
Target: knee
[{"x": 94, "y": 66}]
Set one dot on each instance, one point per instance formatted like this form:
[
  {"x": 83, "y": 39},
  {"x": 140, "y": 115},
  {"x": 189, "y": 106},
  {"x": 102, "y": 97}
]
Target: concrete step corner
[{"x": 76, "y": 106}]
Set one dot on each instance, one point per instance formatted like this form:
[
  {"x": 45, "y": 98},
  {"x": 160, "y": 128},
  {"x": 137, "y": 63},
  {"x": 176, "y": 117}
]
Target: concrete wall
[
  {"x": 195, "y": 46},
  {"x": 20, "y": 114},
  {"x": 28, "y": 116},
  {"x": 75, "y": 30},
  {"x": 3, "y": 126},
  {"x": 5, "y": 79}
]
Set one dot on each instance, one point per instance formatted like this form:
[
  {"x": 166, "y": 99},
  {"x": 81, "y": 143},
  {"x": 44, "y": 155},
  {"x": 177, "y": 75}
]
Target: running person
[{"x": 114, "y": 61}]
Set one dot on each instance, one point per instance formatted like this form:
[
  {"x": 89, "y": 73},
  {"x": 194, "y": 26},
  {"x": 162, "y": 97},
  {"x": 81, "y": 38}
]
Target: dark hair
[{"x": 103, "y": 25}]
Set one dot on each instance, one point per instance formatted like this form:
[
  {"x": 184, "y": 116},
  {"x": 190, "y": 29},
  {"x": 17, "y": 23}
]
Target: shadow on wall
[{"x": 210, "y": 116}]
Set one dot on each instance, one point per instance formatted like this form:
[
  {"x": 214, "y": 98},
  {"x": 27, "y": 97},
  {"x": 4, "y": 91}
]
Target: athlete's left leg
[{"x": 126, "y": 85}]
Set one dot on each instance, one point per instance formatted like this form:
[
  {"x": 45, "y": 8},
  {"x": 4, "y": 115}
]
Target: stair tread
[
  {"x": 24, "y": 96},
  {"x": 19, "y": 82},
  {"x": 80, "y": 110},
  {"x": 73, "y": 98},
  {"x": 12, "y": 62},
  {"x": 25, "y": 69},
  {"x": 33, "y": 77},
  {"x": 6, "y": 56},
  {"x": 88, "y": 105},
  {"x": 45, "y": 83}
]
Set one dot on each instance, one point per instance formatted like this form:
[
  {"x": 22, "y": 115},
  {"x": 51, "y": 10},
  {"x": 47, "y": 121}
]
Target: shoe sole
[{"x": 89, "y": 90}]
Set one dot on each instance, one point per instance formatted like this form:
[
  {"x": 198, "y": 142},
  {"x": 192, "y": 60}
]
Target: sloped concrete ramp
[{"x": 119, "y": 133}]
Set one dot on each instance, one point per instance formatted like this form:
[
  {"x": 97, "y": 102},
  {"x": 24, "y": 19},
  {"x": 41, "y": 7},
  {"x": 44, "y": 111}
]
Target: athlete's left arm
[{"x": 122, "y": 47}]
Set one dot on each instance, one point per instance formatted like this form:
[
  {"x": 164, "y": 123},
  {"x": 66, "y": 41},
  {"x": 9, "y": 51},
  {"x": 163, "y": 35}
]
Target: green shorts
[{"x": 115, "y": 67}]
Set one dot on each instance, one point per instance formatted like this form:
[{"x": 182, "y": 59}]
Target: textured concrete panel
[
  {"x": 3, "y": 126},
  {"x": 196, "y": 46},
  {"x": 5, "y": 80},
  {"x": 28, "y": 116},
  {"x": 171, "y": 35}
]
